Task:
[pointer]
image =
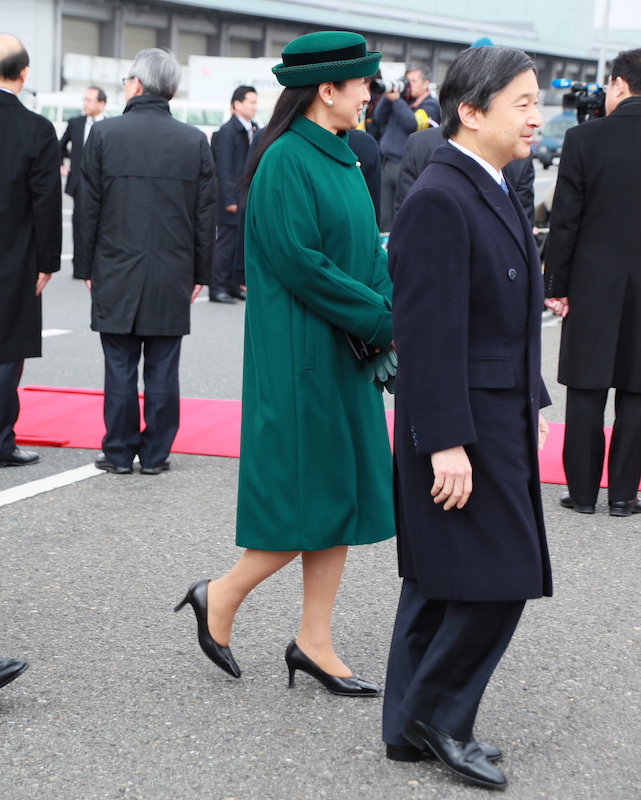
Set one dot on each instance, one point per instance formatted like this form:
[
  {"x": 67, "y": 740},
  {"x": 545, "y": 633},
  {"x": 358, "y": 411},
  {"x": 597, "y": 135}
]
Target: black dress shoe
[
  {"x": 399, "y": 752},
  {"x": 221, "y": 656},
  {"x": 465, "y": 759},
  {"x": 625, "y": 508},
  {"x": 10, "y": 668},
  {"x": 349, "y": 687},
  {"x": 567, "y": 502},
  {"x": 222, "y": 297},
  {"x": 103, "y": 463},
  {"x": 155, "y": 470},
  {"x": 19, "y": 458},
  {"x": 241, "y": 294}
]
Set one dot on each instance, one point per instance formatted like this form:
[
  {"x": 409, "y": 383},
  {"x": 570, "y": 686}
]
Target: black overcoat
[
  {"x": 148, "y": 185},
  {"x": 30, "y": 223},
  {"x": 594, "y": 251},
  {"x": 467, "y": 326},
  {"x": 230, "y": 147},
  {"x": 74, "y": 136}
]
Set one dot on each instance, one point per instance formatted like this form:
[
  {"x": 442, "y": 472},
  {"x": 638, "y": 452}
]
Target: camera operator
[
  {"x": 593, "y": 281},
  {"x": 403, "y": 115}
]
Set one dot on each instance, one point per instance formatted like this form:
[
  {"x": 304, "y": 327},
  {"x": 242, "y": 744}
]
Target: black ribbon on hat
[{"x": 324, "y": 57}]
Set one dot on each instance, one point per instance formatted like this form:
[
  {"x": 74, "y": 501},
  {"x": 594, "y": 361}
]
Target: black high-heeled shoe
[
  {"x": 349, "y": 687},
  {"x": 221, "y": 656}
]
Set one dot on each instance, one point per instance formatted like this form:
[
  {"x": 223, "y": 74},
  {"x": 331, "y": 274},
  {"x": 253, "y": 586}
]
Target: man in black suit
[
  {"x": 466, "y": 309},
  {"x": 148, "y": 187},
  {"x": 419, "y": 148},
  {"x": 76, "y": 135},
  {"x": 230, "y": 146},
  {"x": 593, "y": 281},
  {"x": 30, "y": 235},
  {"x": 30, "y": 241}
]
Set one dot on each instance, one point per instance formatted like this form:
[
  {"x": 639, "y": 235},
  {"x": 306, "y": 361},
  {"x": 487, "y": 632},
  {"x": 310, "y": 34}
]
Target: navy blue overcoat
[{"x": 467, "y": 301}]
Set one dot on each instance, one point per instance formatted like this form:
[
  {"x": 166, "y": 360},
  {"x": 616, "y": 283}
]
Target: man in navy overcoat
[{"x": 467, "y": 306}]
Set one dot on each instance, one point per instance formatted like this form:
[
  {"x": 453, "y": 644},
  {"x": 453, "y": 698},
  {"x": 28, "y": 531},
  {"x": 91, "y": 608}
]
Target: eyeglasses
[{"x": 130, "y": 78}]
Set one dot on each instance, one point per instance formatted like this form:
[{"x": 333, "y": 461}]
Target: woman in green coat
[{"x": 315, "y": 465}]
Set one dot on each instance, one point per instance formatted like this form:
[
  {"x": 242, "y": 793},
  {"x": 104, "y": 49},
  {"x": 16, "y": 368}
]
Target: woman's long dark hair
[{"x": 292, "y": 103}]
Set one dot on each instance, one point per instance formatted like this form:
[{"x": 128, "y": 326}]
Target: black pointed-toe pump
[
  {"x": 221, "y": 656},
  {"x": 348, "y": 687}
]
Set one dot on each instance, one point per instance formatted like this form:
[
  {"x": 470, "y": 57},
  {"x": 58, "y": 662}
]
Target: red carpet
[{"x": 59, "y": 417}]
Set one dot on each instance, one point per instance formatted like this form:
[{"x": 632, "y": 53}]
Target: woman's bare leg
[
  {"x": 225, "y": 595},
  {"x": 322, "y": 572}
]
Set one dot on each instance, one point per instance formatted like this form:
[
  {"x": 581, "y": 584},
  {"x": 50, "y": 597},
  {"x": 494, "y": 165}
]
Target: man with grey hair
[
  {"x": 415, "y": 111},
  {"x": 149, "y": 188},
  {"x": 467, "y": 328}
]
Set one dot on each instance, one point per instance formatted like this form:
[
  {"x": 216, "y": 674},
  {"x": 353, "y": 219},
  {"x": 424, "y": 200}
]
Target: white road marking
[
  {"x": 53, "y": 332},
  {"x": 67, "y": 211},
  {"x": 202, "y": 299},
  {"x": 66, "y": 224},
  {"x": 34, "y": 488},
  {"x": 66, "y": 256}
]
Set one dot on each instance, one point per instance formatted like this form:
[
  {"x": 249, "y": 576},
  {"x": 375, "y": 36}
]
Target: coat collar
[
  {"x": 489, "y": 190},
  {"x": 333, "y": 145},
  {"x": 631, "y": 106},
  {"x": 144, "y": 101},
  {"x": 9, "y": 98}
]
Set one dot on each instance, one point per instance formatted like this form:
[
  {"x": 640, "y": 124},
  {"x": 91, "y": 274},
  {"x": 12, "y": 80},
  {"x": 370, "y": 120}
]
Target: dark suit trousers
[
  {"x": 222, "y": 274},
  {"x": 584, "y": 446},
  {"x": 442, "y": 656},
  {"x": 124, "y": 439},
  {"x": 10, "y": 373}
]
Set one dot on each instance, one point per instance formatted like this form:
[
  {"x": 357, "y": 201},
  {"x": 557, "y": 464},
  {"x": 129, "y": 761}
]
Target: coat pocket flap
[{"x": 490, "y": 373}]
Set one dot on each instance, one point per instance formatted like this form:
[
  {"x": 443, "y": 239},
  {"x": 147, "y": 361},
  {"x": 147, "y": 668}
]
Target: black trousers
[
  {"x": 584, "y": 446},
  {"x": 124, "y": 439},
  {"x": 10, "y": 374},
  {"x": 222, "y": 272},
  {"x": 442, "y": 656}
]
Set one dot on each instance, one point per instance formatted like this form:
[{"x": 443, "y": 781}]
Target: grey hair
[
  {"x": 475, "y": 77},
  {"x": 425, "y": 71},
  {"x": 158, "y": 70}
]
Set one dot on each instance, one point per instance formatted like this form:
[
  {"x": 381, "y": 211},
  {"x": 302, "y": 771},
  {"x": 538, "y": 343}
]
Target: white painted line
[
  {"x": 67, "y": 212},
  {"x": 202, "y": 299},
  {"x": 66, "y": 224},
  {"x": 33, "y": 488},
  {"x": 53, "y": 332},
  {"x": 66, "y": 256}
]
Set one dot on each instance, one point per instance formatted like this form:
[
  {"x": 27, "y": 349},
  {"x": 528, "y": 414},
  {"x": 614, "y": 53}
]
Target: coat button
[{"x": 511, "y": 273}]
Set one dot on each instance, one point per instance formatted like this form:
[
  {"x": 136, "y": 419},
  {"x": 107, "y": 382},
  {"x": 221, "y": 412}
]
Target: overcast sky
[{"x": 623, "y": 14}]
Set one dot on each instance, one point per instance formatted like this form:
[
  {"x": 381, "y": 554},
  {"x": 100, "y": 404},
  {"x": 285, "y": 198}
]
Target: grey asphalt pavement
[{"x": 119, "y": 701}]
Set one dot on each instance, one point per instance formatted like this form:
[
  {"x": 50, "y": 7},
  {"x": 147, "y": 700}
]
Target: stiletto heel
[
  {"x": 349, "y": 687},
  {"x": 221, "y": 656},
  {"x": 292, "y": 676}
]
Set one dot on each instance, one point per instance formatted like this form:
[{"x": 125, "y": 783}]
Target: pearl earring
[{"x": 329, "y": 103}]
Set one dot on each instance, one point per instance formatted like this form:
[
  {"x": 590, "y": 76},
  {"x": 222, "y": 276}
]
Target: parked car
[{"x": 550, "y": 144}]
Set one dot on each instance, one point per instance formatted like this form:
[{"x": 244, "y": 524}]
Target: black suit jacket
[
  {"x": 594, "y": 251},
  {"x": 74, "y": 136},
  {"x": 31, "y": 224},
  {"x": 466, "y": 312},
  {"x": 230, "y": 147},
  {"x": 418, "y": 151}
]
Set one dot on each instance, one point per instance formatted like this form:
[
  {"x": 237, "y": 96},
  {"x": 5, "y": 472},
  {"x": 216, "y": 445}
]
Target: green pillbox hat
[{"x": 325, "y": 56}]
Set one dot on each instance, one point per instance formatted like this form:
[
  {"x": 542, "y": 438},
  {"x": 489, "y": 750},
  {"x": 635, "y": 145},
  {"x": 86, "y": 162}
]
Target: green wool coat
[{"x": 315, "y": 463}]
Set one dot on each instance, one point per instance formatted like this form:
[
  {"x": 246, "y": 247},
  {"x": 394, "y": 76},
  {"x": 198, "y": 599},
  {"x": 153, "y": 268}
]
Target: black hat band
[{"x": 342, "y": 54}]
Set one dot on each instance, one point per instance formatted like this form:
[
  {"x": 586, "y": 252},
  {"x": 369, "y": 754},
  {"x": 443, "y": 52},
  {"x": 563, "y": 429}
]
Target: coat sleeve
[
  {"x": 225, "y": 160},
  {"x": 63, "y": 144},
  {"x": 91, "y": 192},
  {"x": 524, "y": 188},
  {"x": 46, "y": 200},
  {"x": 430, "y": 267},
  {"x": 404, "y": 115},
  {"x": 566, "y": 219},
  {"x": 383, "y": 110},
  {"x": 204, "y": 215},
  {"x": 285, "y": 222},
  {"x": 408, "y": 173}
]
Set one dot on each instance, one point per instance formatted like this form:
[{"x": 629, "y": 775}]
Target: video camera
[
  {"x": 379, "y": 86},
  {"x": 587, "y": 98}
]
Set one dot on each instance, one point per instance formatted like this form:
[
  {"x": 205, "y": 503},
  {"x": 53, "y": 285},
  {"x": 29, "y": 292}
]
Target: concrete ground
[{"x": 119, "y": 701}]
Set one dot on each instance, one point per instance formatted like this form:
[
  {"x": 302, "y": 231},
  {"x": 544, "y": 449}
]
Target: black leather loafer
[
  {"x": 464, "y": 759},
  {"x": 399, "y": 752},
  {"x": 19, "y": 458},
  {"x": 155, "y": 470},
  {"x": 625, "y": 508},
  {"x": 10, "y": 668},
  {"x": 241, "y": 294},
  {"x": 222, "y": 297},
  {"x": 103, "y": 463},
  {"x": 567, "y": 502}
]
